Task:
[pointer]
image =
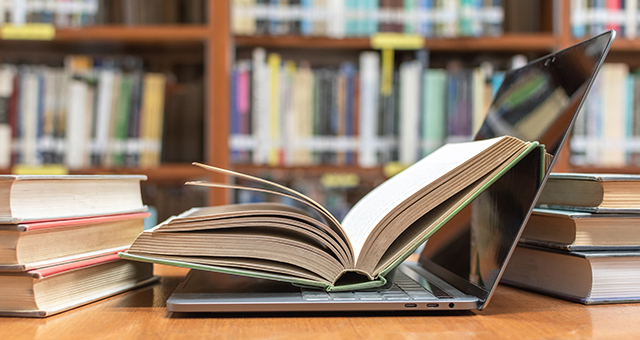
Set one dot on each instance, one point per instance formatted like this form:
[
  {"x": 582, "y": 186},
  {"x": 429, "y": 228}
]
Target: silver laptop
[{"x": 461, "y": 264}]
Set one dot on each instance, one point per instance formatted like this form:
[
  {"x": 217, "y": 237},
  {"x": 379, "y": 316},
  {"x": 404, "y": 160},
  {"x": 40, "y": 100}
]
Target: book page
[
  {"x": 275, "y": 188},
  {"x": 371, "y": 209}
]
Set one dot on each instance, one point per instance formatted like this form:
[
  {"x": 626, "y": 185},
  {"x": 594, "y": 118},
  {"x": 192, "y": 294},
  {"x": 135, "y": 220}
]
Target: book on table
[
  {"x": 35, "y": 244},
  {"x": 575, "y": 230},
  {"x": 592, "y": 192},
  {"x": 309, "y": 247},
  {"x": 45, "y": 291},
  {"x": 586, "y": 276},
  {"x": 38, "y": 197}
]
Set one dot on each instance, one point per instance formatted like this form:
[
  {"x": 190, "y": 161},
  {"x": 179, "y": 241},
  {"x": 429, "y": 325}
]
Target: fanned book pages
[{"x": 310, "y": 247}]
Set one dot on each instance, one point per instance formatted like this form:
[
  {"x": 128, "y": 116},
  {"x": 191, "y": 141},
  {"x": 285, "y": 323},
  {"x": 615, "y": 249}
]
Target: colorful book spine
[
  {"x": 304, "y": 115},
  {"x": 337, "y": 19},
  {"x": 79, "y": 116}
]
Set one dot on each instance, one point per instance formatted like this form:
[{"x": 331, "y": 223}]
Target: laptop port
[
  {"x": 451, "y": 305},
  {"x": 433, "y": 305},
  {"x": 410, "y": 305}
]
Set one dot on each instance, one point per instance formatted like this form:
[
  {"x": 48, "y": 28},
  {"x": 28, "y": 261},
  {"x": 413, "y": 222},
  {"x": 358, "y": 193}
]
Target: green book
[
  {"x": 434, "y": 111},
  {"x": 310, "y": 247},
  {"x": 122, "y": 120}
]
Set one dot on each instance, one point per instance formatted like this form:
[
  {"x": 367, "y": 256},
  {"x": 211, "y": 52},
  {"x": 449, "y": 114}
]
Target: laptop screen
[{"x": 537, "y": 102}]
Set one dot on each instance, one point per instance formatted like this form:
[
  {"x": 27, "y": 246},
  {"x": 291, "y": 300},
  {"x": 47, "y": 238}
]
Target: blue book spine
[
  {"x": 274, "y": 24},
  {"x": 426, "y": 22},
  {"x": 496, "y": 81},
  {"x": 306, "y": 26}
]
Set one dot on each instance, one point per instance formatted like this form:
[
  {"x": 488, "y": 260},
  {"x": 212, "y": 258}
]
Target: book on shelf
[
  {"x": 574, "y": 230},
  {"x": 602, "y": 193},
  {"x": 91, "y": 113},
  {"x": 73, "y": 14},
  {"x": 46, "y": 291},
  {"x": 589, "y": 277},
  {"x": 41, "y": 197},
  {"x": 296, "y": 114},
  {"x": 310, "y": 247},
  {"x": 593, "y": 17},
  {"x": 34, "y": 244},
  {"x": 338, "y": 19},
  {"x": 607, "y": 130}
]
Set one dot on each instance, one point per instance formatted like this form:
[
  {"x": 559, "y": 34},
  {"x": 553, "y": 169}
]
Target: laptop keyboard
[{"x": 403, "y": 289}]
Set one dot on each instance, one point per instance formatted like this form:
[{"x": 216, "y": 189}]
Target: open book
[{"x": 309, "y": 247}]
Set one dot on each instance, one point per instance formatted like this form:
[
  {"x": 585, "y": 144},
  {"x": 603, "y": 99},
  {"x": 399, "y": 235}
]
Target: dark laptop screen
[{"x": 537, "y": 102}]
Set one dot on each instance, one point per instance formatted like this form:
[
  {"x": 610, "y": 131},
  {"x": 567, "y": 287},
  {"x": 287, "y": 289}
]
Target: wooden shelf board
[
  {"x": 606, "y": 170},
  {"x": 159, "y": 33},
  {"x": 165, "y": 173},
  {"x": 507, "y": 42}
]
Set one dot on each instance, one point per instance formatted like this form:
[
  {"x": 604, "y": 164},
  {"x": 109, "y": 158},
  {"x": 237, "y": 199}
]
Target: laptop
[{"x": 461, "y": 264}]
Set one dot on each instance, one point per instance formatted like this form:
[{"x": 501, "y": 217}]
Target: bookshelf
[
  {"x": 208, "y": 44},
  {"x": 555, "y": 34},
  {"x": 217, "y": 46}
]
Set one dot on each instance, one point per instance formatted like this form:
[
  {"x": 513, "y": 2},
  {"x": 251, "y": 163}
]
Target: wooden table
[{"x": 511, "y": 314}]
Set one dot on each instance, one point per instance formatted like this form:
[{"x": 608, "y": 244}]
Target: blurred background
[{"x": 328, "y": 97}]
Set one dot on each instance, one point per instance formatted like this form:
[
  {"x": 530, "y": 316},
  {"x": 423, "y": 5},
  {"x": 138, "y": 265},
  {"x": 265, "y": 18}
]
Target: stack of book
[
  {"x": 583, "y": 242},
  {"x": 59, "y": 239}
]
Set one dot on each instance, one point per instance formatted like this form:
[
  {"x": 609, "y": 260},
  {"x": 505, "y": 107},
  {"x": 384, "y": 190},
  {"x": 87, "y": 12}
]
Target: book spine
[
  {"x": 7, "y": 82},
  {"x": 369, "y": 90},
  {"x": 274, "y": 108},
  {"x": 410, "y": 73}
]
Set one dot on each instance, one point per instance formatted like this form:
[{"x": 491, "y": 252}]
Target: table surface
[{"x": 511, "y": 314}]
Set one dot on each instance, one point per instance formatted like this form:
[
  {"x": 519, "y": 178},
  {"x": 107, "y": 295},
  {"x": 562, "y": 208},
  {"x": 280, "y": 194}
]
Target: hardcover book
[
  {"x": 589, "y": 277},
  {"x": 40, "y": 197},
  {"x": 309, "y": 247},
  {"x": 28, "y": 245},
  {"x": 573, "y": 230},
  {"x": 592, "y": 193},
  {"x": 45, "y": 291}
]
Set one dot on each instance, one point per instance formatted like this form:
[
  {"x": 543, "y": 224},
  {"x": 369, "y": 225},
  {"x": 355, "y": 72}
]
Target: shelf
[
  {"x": 164, "y": 173},
  {"x": 146, "y": 34},
  {"x": 507, "y": 42},
  {"x": 629, "y": 169},
  {"x": 310, "y": 171}
]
